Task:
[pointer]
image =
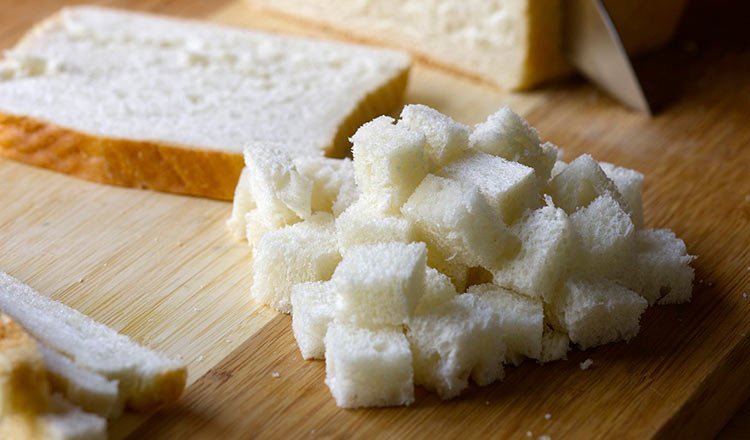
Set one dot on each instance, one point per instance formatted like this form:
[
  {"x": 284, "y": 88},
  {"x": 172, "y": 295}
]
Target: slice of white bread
[
  {"x": 146, "y": 101},
  {"x": 92, "y": 392},
  {"x": 27, "y": 409},
  {"x": 513, "y": 43},
  {"x": 146, "y": 378}
]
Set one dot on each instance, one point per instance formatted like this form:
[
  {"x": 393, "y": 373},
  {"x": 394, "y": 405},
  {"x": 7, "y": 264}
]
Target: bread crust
[{"x": 159, "y": 165}]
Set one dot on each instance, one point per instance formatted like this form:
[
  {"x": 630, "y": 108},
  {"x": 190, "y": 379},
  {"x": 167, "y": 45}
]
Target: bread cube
[
  {"x": 455, "y": 219},
  {"x": 389, "y": 163},
  {"x": 380, "y": 284},
  {"x": 596, "y": 311},
  {"x": 548, "y": 242},
  {"x": 446, "y": 138},
  {"x": 559, "y": 166},
  {"x": 313, "y": 306},
  {"x": 662, "y": 268},
  {"x": 282, "y": 195},
  {"x": 630, "y": 184},
  {"x": 359, "y": 224},
  {"x": 508, "y": 135},
  {"x": 306, "y": 251},
  {"x": 368, "y": 367},
  {"x": 521, "y": 319},
  {"x": 327, "y": 176},
  {"x": 242, "y": 204},
  {"x": 348, "y": 195},
  {"x": 607, "y": 239},
  {"x": 580, "y": 183},
  {"x": 438, "y": 290},
  {"x": 509, "y": 187},
  {"x": 555, "y": 346},
  {"x": 452, "y": 342}
]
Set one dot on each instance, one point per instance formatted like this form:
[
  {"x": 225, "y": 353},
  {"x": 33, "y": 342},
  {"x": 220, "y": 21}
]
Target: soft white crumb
[
  {"x": 586, "y": 364},
  {"x": 312, "y": 431},
  {"x": 544, "y": 437},
  {"x": 548, "y": 416},
  {"x": 451, "y": 257},
  {"x": 529, "y": 434},
  {"x": 744, "y": 295},
  {"x": 275, "y": 374}
]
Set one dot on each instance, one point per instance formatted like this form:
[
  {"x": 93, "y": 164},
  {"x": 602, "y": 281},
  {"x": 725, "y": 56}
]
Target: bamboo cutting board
[{"x": 164, "y": 270}]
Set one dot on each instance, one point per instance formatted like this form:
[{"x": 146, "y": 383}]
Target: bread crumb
[
  {"x": 275, "y": 374},
  {"x": 545, "y": 437},
  {"x": 744, "y": 294},
  {"x": 200, "y": 358},
  {"x": 529, "y": 434},
  {"x": 586, "y": 364},
  {"x": 548, "y": 416}
]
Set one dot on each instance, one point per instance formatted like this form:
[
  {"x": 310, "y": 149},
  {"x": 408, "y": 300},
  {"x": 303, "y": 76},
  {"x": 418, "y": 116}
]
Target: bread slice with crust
[{"x": 144, "y": 101}]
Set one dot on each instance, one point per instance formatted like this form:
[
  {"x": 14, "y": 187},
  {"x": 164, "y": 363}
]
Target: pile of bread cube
[{"x": 441, "y": 253}]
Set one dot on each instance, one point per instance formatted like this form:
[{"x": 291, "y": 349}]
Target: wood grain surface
[{"x": 164, "y": 270}]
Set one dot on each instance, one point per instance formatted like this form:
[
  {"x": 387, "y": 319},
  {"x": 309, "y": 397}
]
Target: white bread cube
[
  {"x": 580, "y": 183},
  {"x": 348, "y": 195},
  {"x": 305, "y": 251},
  {"x": 662, "y": 267},
  {"x": 521, "y": 318},
  {"x": 328, "y": 176},
  {"x": 509, "y": 187},
  {"x": 630, "y": 184},
  {"x": 559, "y": 166},
  {"x": 452, "y": 342},
  {"x": 454, "y": 218},
  {"x": 368, "y": 367},
  {"x": 389, "y": 162},
  {"x": 380, "y": 284},
  {"x": 360, "y": 224},
  {"x": 241, "y": 204},
  {"x": 548, "y": 242},
  {"x": 555, "y": 346},
  {"x": 596, "y": 311},
  {"x": 438, "y": 289},
  {"x": 446, "y": 138},
  {"x": 313, "y": 306},
  {"x": 280, "y": 192},
  {"x": 508, "y": 135},
  {"x": 65, "y": 421},
  {"x": 607, "y": 239}
]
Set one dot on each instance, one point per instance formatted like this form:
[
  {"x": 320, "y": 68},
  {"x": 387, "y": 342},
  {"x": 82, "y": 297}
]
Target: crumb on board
[
  {"x": 275, "y": 374},
  {"x": 548, "y": 416},
  {"x": 744, "y": 294},
  {"x": 586, "y": 364},
  {"x": 529, "y": 434},
  {"x": 544, "y": 437}
]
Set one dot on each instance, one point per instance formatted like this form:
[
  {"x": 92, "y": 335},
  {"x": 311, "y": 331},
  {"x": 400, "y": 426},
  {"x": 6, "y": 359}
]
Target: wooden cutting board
[{"x": 164, "y": 270}]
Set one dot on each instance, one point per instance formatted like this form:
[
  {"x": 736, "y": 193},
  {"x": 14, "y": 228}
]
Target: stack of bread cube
[{"x": 440, "y": 253}]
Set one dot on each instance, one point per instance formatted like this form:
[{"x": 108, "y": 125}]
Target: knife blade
[{"x": 592, "y": 44}]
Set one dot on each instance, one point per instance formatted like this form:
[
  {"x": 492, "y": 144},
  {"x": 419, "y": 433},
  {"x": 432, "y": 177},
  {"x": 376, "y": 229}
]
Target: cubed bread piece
[
  {"x": 662, "y": 267},
  {"x": 559, "y": 166},
  {"x": 508, "y": 135},
  {"x": 450, "y": 343},
  {"x": 607, "y": 239},
  {"x": 305, "y": 251},
  {"x": 389, "y": 162},
  {"x": 579, "y": 183},
  {"x": 327, "y": 176},
  {"x": 521, "y": 319},
  {"x": 555, "y": 346},
  {"x": 242, "y": 204},
  {"x": 380, "y": 284},
  {"x": 547, "y": 244},
  {"x": 313, "y": 306},
  {"x": 596, "y": 311},
  {"x": 509, "y": 187},
  {"x": 65, "y": 421},
  {"x": 348, "y": 195},
  {"x": 368, "y": 367},
  {"x": 446, "y": 138},
  {"x": 630, "y": 184},
  {"x": 360, "y": 224},
  {"x": 454, "y": 218},
  {"x": 281, "y": 194},
  {"x": 438, "y": 289}
]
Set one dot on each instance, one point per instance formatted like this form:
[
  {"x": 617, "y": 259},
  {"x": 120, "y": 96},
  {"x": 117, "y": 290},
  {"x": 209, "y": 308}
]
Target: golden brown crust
[{"x": 157, "y": 165}]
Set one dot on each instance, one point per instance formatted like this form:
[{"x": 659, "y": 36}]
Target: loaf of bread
[
  {"x": 145, "y": 379},
  {"x": 465, "y": 250},
  {"x": 514, "y": 44},
  {"x": 146, "y": 101}
]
